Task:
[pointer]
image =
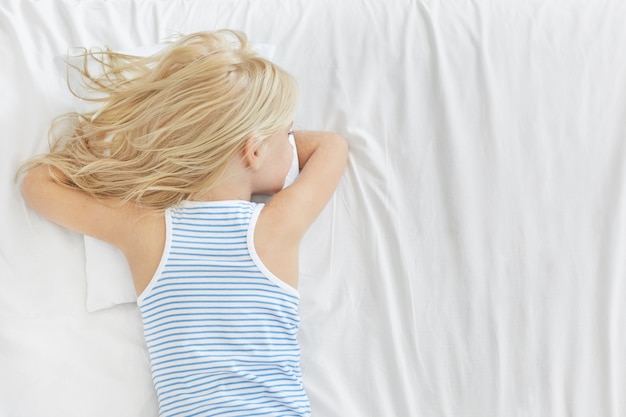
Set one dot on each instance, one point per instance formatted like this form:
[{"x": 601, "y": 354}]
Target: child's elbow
[
  {"x": 342, "y": 146},
  {"x": 33, "y": 185},
  {"x": 28, "y": 186}
]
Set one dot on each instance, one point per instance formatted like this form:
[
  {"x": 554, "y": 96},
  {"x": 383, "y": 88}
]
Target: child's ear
[{"x": 251, "y": 153}]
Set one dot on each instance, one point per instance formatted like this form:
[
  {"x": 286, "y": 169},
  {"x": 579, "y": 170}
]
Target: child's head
[{"x": 170, "y": 123}]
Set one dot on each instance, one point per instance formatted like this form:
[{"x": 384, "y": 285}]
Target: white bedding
[{"x": 473, "y": 259}]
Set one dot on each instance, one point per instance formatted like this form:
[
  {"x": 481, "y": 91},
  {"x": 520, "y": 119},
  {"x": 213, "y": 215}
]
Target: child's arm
[
  {"x": 72, "y": 209},
  {"x": 323, "y": 157}
]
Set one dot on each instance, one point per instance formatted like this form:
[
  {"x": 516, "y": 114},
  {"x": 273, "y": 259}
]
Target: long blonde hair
[{"x": 169, "y": 123}]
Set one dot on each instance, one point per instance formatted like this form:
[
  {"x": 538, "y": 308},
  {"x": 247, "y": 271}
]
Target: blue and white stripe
[{"x": 221, "y": 329}]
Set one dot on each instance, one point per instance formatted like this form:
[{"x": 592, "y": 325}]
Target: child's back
[{"x": 221, "y": 329}]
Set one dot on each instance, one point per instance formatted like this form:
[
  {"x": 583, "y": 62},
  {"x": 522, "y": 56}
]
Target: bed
[{"x": 473, "y": 259}]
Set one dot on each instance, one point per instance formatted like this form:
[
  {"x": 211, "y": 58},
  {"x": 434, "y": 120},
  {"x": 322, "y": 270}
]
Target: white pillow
[{"x": 109, "y": 280}]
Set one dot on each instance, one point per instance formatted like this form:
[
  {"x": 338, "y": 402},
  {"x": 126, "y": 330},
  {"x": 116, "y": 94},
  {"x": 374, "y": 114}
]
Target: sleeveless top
[{"x": 221, "y": 329}]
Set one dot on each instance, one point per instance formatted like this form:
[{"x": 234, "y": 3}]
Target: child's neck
[
  {"x": 235, "y": 184},
  {"x": 215, "y": 195}
]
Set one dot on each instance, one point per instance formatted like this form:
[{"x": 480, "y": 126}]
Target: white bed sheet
[{"x": 473, "y": 260}]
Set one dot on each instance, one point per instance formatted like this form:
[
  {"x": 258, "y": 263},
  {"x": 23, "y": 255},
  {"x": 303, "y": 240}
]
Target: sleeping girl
[{"x": 164, "y": 170}]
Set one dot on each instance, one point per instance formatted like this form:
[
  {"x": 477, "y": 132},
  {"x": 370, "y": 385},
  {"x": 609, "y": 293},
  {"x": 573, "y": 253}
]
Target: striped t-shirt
[{"x": 221, "y": 329}]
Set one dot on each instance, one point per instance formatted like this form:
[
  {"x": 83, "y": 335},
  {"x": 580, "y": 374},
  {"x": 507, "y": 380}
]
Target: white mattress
[{"x": 473, "y": 259}]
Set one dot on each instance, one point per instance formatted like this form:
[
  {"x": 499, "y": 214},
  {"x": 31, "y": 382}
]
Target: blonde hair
[{"x": 169, "y": 123}]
